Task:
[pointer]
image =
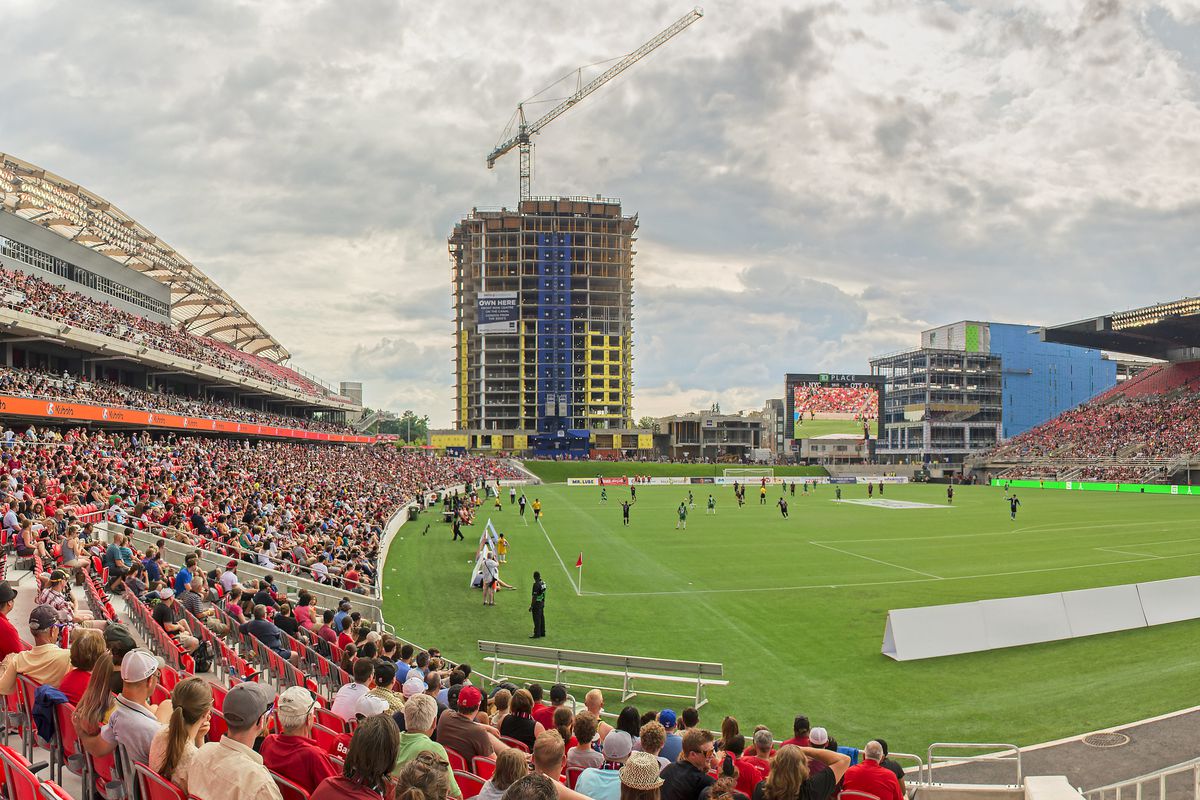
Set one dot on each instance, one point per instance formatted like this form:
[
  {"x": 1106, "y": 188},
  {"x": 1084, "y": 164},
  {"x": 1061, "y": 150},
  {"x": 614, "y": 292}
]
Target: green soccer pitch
[{"x": 795, "y": 609}]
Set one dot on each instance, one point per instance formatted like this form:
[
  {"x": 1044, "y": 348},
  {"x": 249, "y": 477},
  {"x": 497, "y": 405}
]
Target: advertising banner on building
[
  {"x": 582, "y": 481},
  {"x": 497, "y": 312},
  {"x": 614, "y": 481}
]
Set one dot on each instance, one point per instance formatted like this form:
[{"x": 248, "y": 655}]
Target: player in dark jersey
[
  {"x": 1013, "y": 502},
  {"x": 950, "y": 494},
  {"x": 632, "y": 492},
  {"x": 625, "y": 506},
  {"x": 783, "y": 507}
]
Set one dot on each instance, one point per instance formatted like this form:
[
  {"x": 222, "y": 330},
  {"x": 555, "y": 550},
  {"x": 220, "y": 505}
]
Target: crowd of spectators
[
  {"x": 35, "y": 296},
  {"x": 1146, "y": 427},
  {"x": 862, "y": 402},
  {"x": 317, "y": 510},
  {"x": 64, "y": 386}
]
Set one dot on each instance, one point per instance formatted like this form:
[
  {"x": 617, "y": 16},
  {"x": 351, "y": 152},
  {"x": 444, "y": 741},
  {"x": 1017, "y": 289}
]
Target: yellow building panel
[
  {"x": 497, "y": 441},
  {"x": 520, "y": 442},
  {"x": 443, "y": 440},
  {"x": 645, "y": 441}
]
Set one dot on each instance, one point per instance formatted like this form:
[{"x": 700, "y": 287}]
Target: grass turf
[
  {"x": 798, "y": 625},
  {"x": 559, "y": 471},
  {"x": 824, "y": 427}
]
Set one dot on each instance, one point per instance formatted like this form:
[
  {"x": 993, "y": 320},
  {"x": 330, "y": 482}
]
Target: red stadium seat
[
  {"x": 152, "y": 786},
  {"x": 468, "y": 783}
]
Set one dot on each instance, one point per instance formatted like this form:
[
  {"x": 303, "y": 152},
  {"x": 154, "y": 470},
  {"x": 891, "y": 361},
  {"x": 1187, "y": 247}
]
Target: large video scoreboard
[{"x": 833, "y": 394}]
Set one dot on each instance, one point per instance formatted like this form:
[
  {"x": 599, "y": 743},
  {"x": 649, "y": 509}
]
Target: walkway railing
[{"x": 1153, "y": 786}]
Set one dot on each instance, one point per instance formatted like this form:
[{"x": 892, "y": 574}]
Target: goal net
[{"x": 749, "y": 472}]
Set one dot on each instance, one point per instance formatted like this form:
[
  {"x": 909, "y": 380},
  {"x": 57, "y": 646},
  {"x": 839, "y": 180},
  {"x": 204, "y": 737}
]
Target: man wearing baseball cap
[
  {"x": 605, "y": 783},
  {"x": 46, "y": 662},
  {"x": 58, "y": 596},
  {"x": 132, "y": 724},
  {"x": 673, "y": 745},
  {"x": 459, "y": 731},
  {"x": 293, "y": 753},
  {"x": 230, "y": 769}
]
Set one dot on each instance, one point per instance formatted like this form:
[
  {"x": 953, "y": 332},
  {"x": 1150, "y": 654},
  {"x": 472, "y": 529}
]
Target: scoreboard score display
[{"x": 831, "y": 395}]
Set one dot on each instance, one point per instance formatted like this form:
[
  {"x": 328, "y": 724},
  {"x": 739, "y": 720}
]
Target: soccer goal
[{"x": 749, "y": 472}]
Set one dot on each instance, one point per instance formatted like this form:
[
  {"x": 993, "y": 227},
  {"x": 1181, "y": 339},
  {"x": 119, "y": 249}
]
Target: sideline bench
[{"x": 697, "y": 674}]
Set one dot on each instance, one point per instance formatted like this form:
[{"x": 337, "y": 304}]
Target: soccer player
[
  {"x": 793, "y": 489},
  {"x": 682, "y": 521},
  {"x": 521, "y": 503},
  {"x": 806, "y": 487},
  {"x": 870, "y": 490},
  {"x": 783, "y": 507},
  {"x": 625, "y": 506},
  {"x": 691, "y": 500},
  {"x": 762, "y": 493},
  {"x": 838, "y": 492},
  {"x": 740, "y": 494},
  {"x": 1013, "y": 502},
  {"x": 712, "y": 505},
  {"x": 603, "y": 495},
  {"x": 537, "y": 509},
  {"x": 950, "y": 494},
  {"x": 501, "y": 550},
  {"x": 498, "y": 506},
  {"x": 632, "y": 492}
]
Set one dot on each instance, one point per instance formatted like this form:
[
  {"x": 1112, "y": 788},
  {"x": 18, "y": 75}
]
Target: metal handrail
[
  {"x": 1113, "y": 791},
  {"x": 997, "y": 755}
]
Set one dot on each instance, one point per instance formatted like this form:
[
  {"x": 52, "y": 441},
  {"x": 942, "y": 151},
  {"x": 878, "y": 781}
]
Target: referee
[{"x": 537, "y": 606}]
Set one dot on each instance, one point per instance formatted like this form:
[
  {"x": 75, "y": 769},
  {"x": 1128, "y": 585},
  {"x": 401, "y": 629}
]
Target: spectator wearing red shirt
[
  {"x": 541, "y": 712},
  {"x": 85, "y": 649},
  {"x": 760, "y": 752},
  {"x": 10, "y": 640},
  {"x": 872, "y": 777},
  {"x": 800, "y": 729},
  {"x": 294, "y": 753},
  {"x": 370, "y": 760}
]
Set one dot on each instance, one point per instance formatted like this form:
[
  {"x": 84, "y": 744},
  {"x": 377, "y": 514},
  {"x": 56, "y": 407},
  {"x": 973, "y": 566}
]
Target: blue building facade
[{"x": 1040, "y": 380}]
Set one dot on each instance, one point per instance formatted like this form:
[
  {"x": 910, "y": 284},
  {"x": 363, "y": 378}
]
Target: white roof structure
[{"x": 198, "y": 305}]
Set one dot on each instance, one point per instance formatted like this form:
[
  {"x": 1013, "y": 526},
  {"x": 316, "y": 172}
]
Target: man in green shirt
[{"x": 420, "y": 717}]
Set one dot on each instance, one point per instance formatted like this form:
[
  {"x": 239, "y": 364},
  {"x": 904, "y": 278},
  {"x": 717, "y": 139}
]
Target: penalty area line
[
  {"x": 566, "y": 571},
  {"x": 877, "y": 561}
]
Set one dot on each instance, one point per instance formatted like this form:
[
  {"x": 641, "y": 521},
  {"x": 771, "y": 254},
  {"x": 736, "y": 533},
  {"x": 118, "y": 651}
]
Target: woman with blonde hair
[
  {"x": 172, "y": 748},
  {"x": 97, "y": 703},
  {"x": 510, "y": 765},
  {"x": 426, "y": 777},
  {"x": 790, "y": 780}
]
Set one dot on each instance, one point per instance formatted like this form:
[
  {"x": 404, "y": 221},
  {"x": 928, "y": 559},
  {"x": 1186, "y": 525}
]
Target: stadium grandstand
[
  {"x": 1144, "y": 430},
  {"x": 95, "y": 307}
]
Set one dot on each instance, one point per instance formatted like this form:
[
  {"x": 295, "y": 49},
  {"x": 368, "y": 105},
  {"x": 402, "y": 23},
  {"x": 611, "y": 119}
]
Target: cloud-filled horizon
[{"x": 816, "y": 182}]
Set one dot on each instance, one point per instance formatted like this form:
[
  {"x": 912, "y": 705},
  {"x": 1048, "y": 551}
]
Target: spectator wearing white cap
[
  {"x": 605, "y": 783},
  {"x": 133, "y": 724},
  {"x": 46, "y": 662},
  {"x": 293, "y": 752},
  {"x": 230, "y": 769}
]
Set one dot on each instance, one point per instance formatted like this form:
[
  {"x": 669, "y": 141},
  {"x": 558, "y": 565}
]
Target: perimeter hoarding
[
  {"x": 66, "y": 410},
  {"x": 848, "y": 394},
  {"x": 497, "y": 312}
]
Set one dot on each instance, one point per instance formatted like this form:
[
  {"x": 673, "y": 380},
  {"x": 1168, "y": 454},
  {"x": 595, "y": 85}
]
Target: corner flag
[
  {"x": 579, "y": 561},
  {"x": 579, "y": 566}
]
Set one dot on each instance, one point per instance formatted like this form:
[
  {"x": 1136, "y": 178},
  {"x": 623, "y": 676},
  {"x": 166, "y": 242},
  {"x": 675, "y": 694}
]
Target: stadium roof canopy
[
  {"x": 197, "y": 302},
  {"x": 1169, "y": 331}
]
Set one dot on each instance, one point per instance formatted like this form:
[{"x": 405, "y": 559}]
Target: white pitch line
[
  {"x": 566, "y": 571},
  {"x": 877, "y": 561},
  {"x": 1049, "y": 527},
  {"x": 891, "y": 583}
]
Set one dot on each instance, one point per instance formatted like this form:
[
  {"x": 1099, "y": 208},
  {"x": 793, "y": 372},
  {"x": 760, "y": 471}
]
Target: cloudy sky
[{"x": 817, "y": 182}]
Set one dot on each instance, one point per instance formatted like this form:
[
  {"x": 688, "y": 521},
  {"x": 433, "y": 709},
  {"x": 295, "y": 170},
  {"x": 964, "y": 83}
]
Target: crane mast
[{"x": 522, "y": 140}]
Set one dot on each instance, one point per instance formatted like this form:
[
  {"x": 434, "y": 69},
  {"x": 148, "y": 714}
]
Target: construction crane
[{"x": 522, "y": 140}]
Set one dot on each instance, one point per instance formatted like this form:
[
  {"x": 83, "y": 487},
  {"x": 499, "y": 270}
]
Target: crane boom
[{"x": 526, "y": 130}]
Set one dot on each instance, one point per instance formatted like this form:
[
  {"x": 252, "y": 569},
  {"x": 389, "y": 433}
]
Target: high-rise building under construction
[{"x": 543, "y": 328}]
